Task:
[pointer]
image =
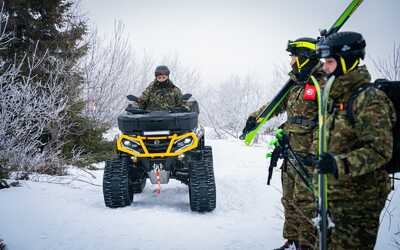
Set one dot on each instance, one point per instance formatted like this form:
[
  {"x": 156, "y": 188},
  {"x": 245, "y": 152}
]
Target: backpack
[{"x": 392, "y": 90}]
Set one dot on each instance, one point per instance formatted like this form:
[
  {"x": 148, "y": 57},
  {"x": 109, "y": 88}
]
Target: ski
[
  {"x": 322, "y": 218},
  {"x": 270, "y": 109},
  {"x": 323, "y": 222},
  {"x": 343, "y": 17}
]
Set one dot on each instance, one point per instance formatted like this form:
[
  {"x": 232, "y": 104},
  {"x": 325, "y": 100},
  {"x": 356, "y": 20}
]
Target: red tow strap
[{"x": 158, "y": 190}]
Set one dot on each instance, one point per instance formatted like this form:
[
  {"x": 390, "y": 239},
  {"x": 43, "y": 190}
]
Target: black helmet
[
  {"x": 304, "y": 46},
  {"x": 306, "y": 58},
  {"x": 162, "y": 70},
  {"x": 348, "y": 48},
  {"x": 344, "y": 44}
]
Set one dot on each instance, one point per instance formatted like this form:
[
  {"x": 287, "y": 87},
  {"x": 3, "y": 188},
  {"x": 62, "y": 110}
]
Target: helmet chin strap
[
  {"x": 300, "y": 66},
  {"x": 344, "y": 66},
  {"x": 341, "y": 68},
  {"x": 306, "y": 69}
]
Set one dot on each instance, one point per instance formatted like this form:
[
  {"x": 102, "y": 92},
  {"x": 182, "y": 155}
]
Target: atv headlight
[
  {"x": 183, "y": 143},
  {"x": 131, "y": 145}
]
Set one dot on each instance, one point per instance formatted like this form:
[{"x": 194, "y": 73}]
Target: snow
[
  {"x": 43, "y": 215},
  {"x": 111, "y": 134},
  {"x": 389, "y": 231}
]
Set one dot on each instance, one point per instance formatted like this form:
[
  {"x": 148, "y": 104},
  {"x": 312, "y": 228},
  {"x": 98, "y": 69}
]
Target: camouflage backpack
[{"x": 392, "y": 90}]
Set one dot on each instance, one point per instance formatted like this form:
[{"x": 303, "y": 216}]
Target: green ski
[
  {"x": 322, "y": 222},
  {"x": 266, "y": 114},
  {"x": 322, "y": 218},
  {"x": 343, "y": 18}
]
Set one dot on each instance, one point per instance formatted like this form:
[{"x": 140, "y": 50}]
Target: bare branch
[{"x": 389, "y": 67}]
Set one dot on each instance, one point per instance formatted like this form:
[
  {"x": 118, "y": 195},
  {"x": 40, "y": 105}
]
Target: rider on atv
[{"x": 162, "y": 94}]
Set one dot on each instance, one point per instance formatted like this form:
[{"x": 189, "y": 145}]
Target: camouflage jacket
[
  {"x": 297, "y": 108},
  {"x": 160, "y": 96},
  {"x": 363, "y": 147}
]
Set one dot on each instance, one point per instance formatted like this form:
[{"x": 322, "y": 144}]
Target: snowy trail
[{"x": 248, "y": 215}]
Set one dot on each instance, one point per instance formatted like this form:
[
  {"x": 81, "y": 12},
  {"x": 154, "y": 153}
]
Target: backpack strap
[{"x": 354, "y": 95}]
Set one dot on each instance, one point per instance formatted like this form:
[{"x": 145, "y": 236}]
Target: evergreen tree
[{"x": 51, "y": 28}]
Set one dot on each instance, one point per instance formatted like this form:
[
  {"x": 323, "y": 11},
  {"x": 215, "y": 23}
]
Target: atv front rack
[{"x": 157, "y": 146}]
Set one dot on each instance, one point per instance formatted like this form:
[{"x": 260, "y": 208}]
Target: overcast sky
[{"x": 220, "y": 38}]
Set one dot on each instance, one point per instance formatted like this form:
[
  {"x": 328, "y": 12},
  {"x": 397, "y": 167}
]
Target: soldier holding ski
[
  {"x": 358, "y": 147},
  {"x": 301, "y": 107}
]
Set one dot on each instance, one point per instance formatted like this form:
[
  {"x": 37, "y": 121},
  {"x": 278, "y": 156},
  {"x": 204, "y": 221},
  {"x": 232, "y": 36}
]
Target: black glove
[
  {"x": 251, "y": 123},
  {"x": 134, "y": 110},
  {"x": 327, "y": 164},
  {"x": 178, "y": 109}
]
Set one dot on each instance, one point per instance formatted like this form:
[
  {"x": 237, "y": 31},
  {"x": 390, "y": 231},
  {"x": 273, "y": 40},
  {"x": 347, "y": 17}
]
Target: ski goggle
[
  {"x": 323, "y": 51},
  {"x": 302, "y": 48}
]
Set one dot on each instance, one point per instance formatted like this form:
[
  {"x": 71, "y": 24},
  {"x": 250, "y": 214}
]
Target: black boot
[
  {"x": 289, "y": 245},
  {"x": 2, "y": 245},
  {"x": 3, "y": 184}
]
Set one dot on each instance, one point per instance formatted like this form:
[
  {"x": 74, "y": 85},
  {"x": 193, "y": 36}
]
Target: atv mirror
[
  {"x": 186, "y": 97},
  {"x": 132, "y": 98}
]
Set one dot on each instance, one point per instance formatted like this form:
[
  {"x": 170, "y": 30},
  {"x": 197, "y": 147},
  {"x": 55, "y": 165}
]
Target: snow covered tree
[
  {"x": 110, "y": 71},
  {"x": 48, "y": 27},
  {"x": 227, "y": 105},
  {"x": 26, "y": 112},
  {"x": 53, "y": 30},
  {"x": 30, "y": 106}
]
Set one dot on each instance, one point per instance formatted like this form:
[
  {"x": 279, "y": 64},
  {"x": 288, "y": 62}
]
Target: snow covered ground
[{"x": 43, "y": 215}]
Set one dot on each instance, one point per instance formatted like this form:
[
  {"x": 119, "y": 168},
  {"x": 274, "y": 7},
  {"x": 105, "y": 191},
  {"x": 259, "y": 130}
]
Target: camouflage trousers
[
  {"x": 299, "y": 206},
  {"x": 356, "y": 218}
]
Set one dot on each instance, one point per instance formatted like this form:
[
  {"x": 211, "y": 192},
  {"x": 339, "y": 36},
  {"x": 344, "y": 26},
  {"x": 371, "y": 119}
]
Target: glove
[
  {"x": 178, "y": 109},
  {"x": 134, "y": 110},
  {"x": 327, "y": 164},
  {"x": 251, "y": 123}
]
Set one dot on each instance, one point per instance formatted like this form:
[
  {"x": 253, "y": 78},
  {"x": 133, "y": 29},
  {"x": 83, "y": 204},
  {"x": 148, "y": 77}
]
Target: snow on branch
[{"x": 32, "y": 115}]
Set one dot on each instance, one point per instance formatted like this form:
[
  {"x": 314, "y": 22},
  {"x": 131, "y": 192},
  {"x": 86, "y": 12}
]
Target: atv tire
[
  {"x": 138, "y": 185},
  {"x": 202, "y": 192},
  {"x": 116, "y": 189}
]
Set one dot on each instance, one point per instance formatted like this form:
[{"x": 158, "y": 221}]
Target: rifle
[{"x": 283, "y": 150}]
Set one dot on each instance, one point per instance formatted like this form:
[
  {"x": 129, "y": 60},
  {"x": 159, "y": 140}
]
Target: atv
[{"x": 159, "y": 146}]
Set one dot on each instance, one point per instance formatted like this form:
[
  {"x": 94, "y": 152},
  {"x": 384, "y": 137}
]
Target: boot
[
  {"x": 2, "y": 245},
  {"x": 289, "y": 245}
]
